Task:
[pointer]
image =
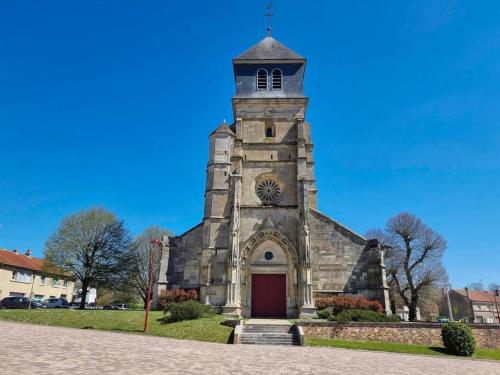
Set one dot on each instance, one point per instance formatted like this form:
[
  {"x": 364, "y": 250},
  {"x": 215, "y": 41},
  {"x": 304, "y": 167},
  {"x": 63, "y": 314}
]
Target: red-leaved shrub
[
  {"x": 342, "y": 303},
  {"x": 176, "y": 295}
]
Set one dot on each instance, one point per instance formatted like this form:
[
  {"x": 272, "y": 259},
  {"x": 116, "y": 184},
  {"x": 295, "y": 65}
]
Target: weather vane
[{"x": 269, "y": 15}]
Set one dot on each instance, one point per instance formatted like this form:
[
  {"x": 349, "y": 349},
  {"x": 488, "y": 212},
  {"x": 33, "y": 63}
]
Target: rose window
[{"x": 268, "y": 191}]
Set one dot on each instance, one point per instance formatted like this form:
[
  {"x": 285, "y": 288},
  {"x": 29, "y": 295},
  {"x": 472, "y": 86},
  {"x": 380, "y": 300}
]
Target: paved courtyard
[{"x": 29, "y": 349}]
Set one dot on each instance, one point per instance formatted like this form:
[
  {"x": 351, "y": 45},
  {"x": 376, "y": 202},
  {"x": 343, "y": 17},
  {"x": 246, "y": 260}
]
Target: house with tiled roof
[
  {"x": 475, "y": 306},
  {"x": 23, "y": 275}
]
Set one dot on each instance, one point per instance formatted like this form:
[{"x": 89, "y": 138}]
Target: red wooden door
[{"x": 269, "y": 295}]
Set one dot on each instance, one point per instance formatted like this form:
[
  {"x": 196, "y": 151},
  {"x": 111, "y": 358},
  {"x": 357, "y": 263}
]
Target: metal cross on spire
[{"x": 269, "y": 15}]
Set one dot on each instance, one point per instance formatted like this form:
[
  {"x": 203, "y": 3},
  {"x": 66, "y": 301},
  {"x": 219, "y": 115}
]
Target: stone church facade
[{"x": 263, "y": 248}]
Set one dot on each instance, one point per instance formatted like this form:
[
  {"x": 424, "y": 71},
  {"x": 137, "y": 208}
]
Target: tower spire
[{"x": 269, "y": 15}]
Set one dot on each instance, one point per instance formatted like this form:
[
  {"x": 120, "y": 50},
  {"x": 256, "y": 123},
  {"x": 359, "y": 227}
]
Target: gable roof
[
  {"x": 18, "y": 260},
  {"x": 479, "y": 295},
  {"x": 269, "y": 49},
  {"x": 340, "y": 227}
]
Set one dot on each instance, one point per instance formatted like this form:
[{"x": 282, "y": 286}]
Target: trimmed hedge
[
  {"x": 363, "y": 316},
  {"x": 458, "y": 338},
  {"x": 187, "y": 310},
  {"x": 343, "y": 303},
  {"x": 168, "y": 296},
  {"x": 325, "y": 314}
]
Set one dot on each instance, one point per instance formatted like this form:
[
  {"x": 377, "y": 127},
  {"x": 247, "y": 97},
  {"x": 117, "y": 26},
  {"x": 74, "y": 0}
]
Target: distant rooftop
[
  {"x": 479, "y": 295},
  {"x": 269, "y": 49},
  {"x": 14, "y": 258}
]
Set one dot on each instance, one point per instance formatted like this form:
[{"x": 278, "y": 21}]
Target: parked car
[
  {"x": 443, "y": 320},
  {"x": 14, "y": 303},
  {"x": 56, "y": 303},
  {"x": 119, "y": 306},
  {"x": 36, "y": 304}
]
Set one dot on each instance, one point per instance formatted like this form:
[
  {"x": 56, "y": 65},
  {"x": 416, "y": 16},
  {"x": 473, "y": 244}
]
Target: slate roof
[
  {"x": 223, "y": 129},
  {"x": 269, "y": 49},
  {"x": 18, "y": 260}
]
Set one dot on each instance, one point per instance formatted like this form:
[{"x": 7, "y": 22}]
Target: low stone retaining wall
[{"x": 487, "y": 335}]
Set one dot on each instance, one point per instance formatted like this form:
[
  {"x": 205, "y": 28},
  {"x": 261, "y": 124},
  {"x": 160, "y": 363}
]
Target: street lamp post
[
  {"x": 152, "y": 257},
  {"x": 450, "y": 312}
]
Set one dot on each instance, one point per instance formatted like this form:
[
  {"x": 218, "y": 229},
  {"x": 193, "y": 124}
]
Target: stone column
[
  {"x": 306, "y": 300},
  {"x": 161, "y": 283},
  {"x": 233, "y": 286}
]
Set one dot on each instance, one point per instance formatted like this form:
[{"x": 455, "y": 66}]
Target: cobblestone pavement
[{"x": 32, "y": 349}]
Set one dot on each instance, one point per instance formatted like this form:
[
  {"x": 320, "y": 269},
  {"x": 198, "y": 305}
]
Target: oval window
[{"x": 268, "y": 255}]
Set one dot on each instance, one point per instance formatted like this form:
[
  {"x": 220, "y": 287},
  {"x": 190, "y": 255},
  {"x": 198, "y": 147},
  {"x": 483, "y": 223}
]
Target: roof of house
[
  {"x": 479, "y": 296},
  {"x": 269, "y": 49},
  {"x": 20, "y": 260}
]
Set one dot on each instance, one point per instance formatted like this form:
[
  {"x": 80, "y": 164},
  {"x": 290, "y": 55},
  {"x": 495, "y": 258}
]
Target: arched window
[
  {"x": 261, "y": 79},
  {"x": 277, "y": 78}
]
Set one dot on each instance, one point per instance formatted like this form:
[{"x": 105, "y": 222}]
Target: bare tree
[
  {"x": 476, "y": 286},
  {"x": 138, "y": 278},
  {"x": 413, "y": 258},
  {"x": 492, "y": 287},
  {"x": 93, "y": 245}
]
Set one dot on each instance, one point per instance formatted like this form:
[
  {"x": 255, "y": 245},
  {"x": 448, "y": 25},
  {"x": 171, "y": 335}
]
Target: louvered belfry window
[
  {"x": 277, "y": 78},
  {"x": 261, "y": 80}
]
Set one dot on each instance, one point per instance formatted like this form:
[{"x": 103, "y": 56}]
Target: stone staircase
[{"x": 269, "y": 334}]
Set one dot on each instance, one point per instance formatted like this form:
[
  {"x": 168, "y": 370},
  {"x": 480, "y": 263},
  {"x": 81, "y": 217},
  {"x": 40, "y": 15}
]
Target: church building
[{"x": 263, "y": 249}]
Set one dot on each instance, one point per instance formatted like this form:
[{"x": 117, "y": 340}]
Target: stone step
[
  {"x": 291, "y": 332},
  {"x": 269, "y": 343},
  {"x": 267, "y": 339},
  {"x": 269, "y": 334},
  {"x": 262, "y": 328}
]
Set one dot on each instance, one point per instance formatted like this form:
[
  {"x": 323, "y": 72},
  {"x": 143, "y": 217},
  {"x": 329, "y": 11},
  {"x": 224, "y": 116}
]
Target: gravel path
[{"x": 33, "y": 349}]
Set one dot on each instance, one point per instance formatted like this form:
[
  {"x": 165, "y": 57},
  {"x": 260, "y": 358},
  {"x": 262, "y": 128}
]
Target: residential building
[
  {"x": 23, "y": 275},
  {"x": 475, "y": 306}
]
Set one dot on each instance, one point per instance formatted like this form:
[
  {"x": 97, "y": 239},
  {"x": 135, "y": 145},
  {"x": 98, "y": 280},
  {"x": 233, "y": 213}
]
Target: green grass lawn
[
  {"x": 397, "y": 347},
  {"x": 204, "y": 329}
]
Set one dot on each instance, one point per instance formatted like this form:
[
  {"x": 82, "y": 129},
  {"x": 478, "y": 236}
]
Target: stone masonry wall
[
  {"x": 185, "y": 258},
  {"x": 487, "y": 335},
  {"x": 337, "y": 259}
]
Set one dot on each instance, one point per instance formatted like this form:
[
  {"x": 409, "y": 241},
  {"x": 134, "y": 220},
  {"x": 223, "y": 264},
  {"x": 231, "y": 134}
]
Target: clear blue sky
[{"x": 111, "y": 102}]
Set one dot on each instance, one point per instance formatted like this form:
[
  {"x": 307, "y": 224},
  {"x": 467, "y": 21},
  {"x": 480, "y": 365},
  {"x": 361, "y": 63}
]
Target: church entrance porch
[{"x": 269, "y": 295}]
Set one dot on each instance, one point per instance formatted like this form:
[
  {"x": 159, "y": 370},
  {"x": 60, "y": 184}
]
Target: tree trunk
[
  {"x": 85, "y": 285},
  {"x": 412, "y": 310},
  {"x": 392, "y": 300}
]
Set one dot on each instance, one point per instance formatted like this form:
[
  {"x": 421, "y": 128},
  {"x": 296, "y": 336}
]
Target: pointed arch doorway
[{"x": 269, "y": 287}]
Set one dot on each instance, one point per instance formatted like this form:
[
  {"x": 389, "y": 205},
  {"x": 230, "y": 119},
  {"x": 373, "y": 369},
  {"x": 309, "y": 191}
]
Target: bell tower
[{"x": 272, "y": 178}]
